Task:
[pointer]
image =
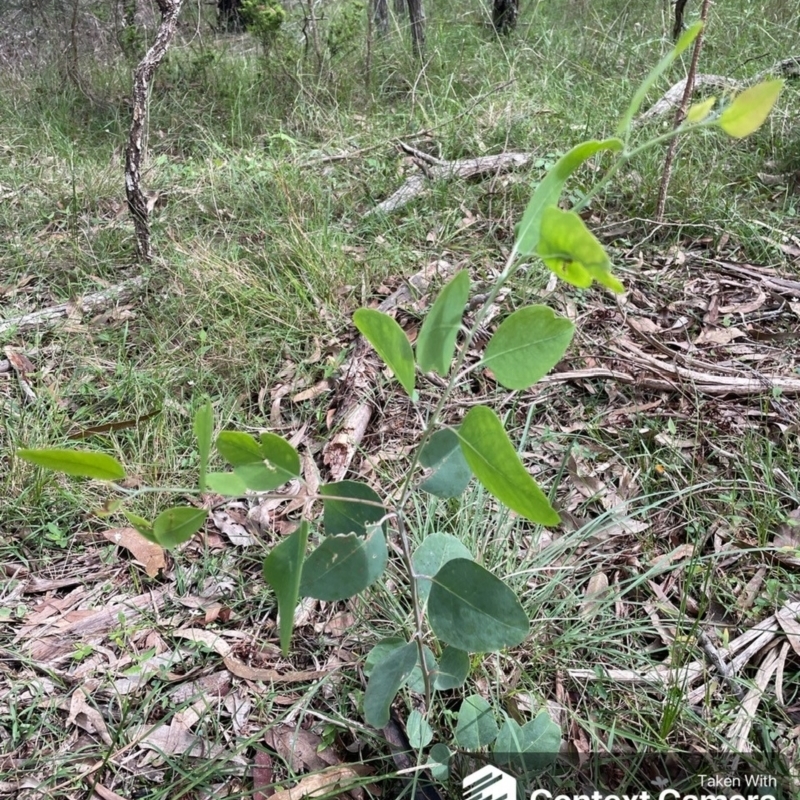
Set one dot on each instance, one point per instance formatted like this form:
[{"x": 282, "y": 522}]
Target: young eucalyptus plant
[{"x": 459, "y": 607}]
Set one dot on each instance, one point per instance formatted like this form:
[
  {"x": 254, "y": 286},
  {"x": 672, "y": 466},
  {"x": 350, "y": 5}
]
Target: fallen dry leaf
[
  {"x": 262, "y": 776},
  {"x": 105, "y": 794},
  {"x": 86, "y": 717},
  {"x": 596, "y": 591},
  {"x": 719, "y": 336},
  {"x": 324, "y": 782},
  {"x": 300, "y": 748},
  {"x": 148, "y": 554}
]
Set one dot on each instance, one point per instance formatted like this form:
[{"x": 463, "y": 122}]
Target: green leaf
[
  {"x": 527, "y": 345},
  {"x": 453, "y": 669},
  {"x": 282, "y": 570},
  {"x": 572, "y": 251},
  {"x": 472, "y": 610},
  {"x": 495, "y": 463},
  {"x": 437, "y": 338},
  {"x": 352, "y": 514},
  {"x": 83, "y": 463},
  {"x": 699, "y": 111},
  {"x": 261, "y": 465},
  {"x": 748, "y": 110},
  {"x": 387, "y": 337},
  {"x": 476, "y": 726},
  {"x": 434, "y": 552},
  {"x": 549, "y": 190},
  {"x": 144, "y": 526},
  {"x": 204, "y": 431},
  {"x": 420, "y": 734},
  {"x": 439, "y": 762},
  {"x": 177, "y": 525},
  {"x": 238, "y": 448},
  {"x": 343, "y": 566},
  {"x": 683, "y": 42},
  {"x": 385, "y": 682},
  {"x": 530, "y": 747},
  {"x": 228, "y": 484},
  {"x": 451, "y": 473}
]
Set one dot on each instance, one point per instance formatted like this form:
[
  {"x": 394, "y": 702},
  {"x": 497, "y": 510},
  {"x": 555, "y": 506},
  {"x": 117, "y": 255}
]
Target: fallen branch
[
  {"x": 88, "y": 304},
  {"x": 436, "y": 170}
]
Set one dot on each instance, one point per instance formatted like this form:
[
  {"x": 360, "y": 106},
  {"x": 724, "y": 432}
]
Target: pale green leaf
[
  {"x": 238, "y": 448},
  {"x": 437, "y": 338},
  {"x": 343, "y": 566},
  {"x": 495, "y": 463},
  {"x": 177, "y": 525},
  {"x": 748, "y": 110},
  {"x": 391, "y": 343},
  {"x": 527, "y": 345},
  {"x": 387, "y": 677},
  {"x": 282, "y": 570},
  {"x": 83, "y": 463},
  {"x": 228, "y": 484},
  {"x": 144, "y": 526},
  {"x": 572, "y": 251},
  {"x": 476, "y": 726},
  {"x": 472, "y": 610},
  {"x": 549, "y": 190},
  {"x": 434, "y": 552},
  {"x": 699, "y": 111},
  {"x": 204, "y": 431},
  {"x": 683, "y": 42}
]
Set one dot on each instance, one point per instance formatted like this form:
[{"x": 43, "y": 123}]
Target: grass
[{"x": 264, "y": 252}]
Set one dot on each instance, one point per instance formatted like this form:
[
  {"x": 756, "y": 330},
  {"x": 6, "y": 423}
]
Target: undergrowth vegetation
[{"x": 676, "y": 502}]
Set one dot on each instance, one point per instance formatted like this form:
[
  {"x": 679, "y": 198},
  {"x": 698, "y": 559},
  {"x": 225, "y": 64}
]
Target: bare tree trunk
[
  {"x": 504, "y": 15},
  {"x": 137, "y": 203},
  {"x": 400, "y": 8},
  {"x": 380, "y": 16},
  {"x": 416, "y": 16}
]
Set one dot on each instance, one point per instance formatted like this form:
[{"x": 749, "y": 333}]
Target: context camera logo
[{"x": 489, "y": 783}]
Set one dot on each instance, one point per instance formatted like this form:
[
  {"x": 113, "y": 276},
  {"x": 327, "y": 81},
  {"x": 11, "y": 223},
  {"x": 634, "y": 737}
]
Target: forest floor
[{"x": 664, "y": 607}]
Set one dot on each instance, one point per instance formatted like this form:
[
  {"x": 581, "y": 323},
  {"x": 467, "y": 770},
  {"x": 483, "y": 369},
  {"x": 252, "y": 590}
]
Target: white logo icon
[{"x": 489, "y": 783}]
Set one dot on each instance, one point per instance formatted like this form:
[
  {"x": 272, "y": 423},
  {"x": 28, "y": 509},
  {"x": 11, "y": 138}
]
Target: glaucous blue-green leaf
[
  {"x": 434, "y": 552},
  {"x": 391, "y": 343},
  {"x": 748, "y": 110},
  {"x": 350, "y": 507},
  {"x": 380, "y": 651},
  {"x": 282, "y": 570},
  {"x": 228, "y": 484},
  {"x": 343, "y": 566},
  {"x": 82, "y": 463},
  {"x": 476, "y": 726},
  {"x": 472, "y": 610},
  {"x": 437, "y": 338},
  {"x": 419, "y": 733},
  {"x": 529, "y": 747},
  {"x": 453, "y": 669},
  {"x": 658, "y": 70},
  {"x": 144, "y": 526},
  {"x": 439, "y": 761},
  {"x": 527, "y": 345},
  {"x": 495, "y": 463},
  {"x": 415, "y": 681},
  {"x": 203, "y": 432},
  {"x": 451, "y": 473},
  {"x": 573, "y": 252},
  {"x": 385, "y": 682},
  {"x": 549, "y": 190},
  {"x": 280, "y": 455},
  {"x": 177, "y": 525}
]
